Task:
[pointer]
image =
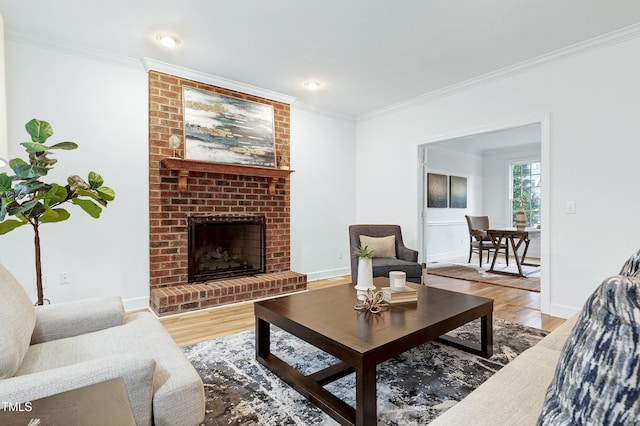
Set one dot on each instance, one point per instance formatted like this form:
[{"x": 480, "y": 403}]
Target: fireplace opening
[{"x": 225, "y": 247}]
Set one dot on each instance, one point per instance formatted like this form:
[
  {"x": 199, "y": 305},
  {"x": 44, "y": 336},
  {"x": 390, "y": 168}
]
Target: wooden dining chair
[{"x": 479, "y": 240}]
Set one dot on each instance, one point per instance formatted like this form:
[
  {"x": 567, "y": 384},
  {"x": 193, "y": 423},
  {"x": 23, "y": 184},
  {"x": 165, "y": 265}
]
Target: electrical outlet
[
  {"x": 570, "y": 207},
  {"x": 65, "y": 278},
  {"x": 340, "y": 254}
]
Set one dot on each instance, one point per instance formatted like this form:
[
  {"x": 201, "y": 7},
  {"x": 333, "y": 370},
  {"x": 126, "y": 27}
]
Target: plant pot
[{"x": 365, "y": 276}]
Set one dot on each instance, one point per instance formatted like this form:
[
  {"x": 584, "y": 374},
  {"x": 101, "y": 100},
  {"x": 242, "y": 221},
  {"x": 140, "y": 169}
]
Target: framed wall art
[
  {"x": 436, "y": 190},
  {"x": 224, "y": 129},
  {"x": 457, "y": 192}
]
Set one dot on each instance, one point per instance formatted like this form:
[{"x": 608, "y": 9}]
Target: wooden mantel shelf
[{"x": 185, "y": 166}]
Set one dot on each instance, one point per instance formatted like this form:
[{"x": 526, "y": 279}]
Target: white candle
[{"x": 397, "y": 280}]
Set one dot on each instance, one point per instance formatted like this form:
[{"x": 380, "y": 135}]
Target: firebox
[{"x": 225, "y": 247}]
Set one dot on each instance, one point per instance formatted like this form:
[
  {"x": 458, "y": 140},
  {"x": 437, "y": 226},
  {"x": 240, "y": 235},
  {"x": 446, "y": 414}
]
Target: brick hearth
[
  {"x": 184, "y": 298},
  {"x": 211, "y": 193}
]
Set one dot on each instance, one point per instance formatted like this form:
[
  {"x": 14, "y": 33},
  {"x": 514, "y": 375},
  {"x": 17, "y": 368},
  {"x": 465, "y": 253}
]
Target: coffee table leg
[
  {"x": 486, "y": 335},
  {"x": 263, "y": 338},
  {"x": 366, "y": 401}
]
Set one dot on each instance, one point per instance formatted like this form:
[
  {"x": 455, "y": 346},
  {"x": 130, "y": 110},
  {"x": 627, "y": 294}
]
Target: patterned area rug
[
  {"x": 412, "y": 389},
  {"x": 474, "y": 273}
]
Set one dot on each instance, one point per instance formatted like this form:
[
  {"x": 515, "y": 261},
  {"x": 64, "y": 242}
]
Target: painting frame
[
  {"x": 457, "y": 192},
  {"x": 436, "y": 190},
  {"x": 225, "y": 129}
]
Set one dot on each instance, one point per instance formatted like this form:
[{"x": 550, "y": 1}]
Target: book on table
[{"x": 407, "y": 294}]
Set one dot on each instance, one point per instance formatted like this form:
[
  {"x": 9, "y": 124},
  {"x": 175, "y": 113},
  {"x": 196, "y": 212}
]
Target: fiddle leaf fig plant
[{"x": 34, "y": 202}]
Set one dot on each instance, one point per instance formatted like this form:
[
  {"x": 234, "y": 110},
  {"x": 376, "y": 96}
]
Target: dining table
[{"x": 514, "y": 238}]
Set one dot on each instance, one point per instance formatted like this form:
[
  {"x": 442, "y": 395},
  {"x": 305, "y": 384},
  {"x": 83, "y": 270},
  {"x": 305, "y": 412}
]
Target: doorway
[{"x": 483, "y": 157}]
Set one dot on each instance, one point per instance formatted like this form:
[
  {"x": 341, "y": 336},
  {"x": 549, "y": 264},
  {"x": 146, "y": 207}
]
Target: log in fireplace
[{"x": 225, "y": 246}]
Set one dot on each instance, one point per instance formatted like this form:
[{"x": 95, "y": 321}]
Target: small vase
[
  {"x": 365, "y": 276},
  {"x": 521, "y": 219}
]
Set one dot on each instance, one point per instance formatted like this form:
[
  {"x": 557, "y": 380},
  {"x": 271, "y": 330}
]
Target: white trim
[
  {"x": 446, "y": 223},
  {"x": 587, "y": 46},
  {"x": 214, "y": 80},
  {"x": 136, "y": 303},
  {"x": 545, "y": 214},
  {"x": 321, "y": 275},
  {"x": 320, "y": 111},
  {"x": 70, "y": 48},
  {"x": 563, "y": 311}
]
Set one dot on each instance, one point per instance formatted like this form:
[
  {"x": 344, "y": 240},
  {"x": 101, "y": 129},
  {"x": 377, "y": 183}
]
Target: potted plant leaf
[{"x": 33, "y": 202}]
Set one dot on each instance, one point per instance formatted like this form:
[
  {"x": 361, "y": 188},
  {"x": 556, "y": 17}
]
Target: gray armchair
[
  {"x": 55, "y": 348},
  {"x": 405, "y": 259}
]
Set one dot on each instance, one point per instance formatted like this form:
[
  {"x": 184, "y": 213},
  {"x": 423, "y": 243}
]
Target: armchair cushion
[
  {"x": 18, "y": 318},
  {"x": 382, "y": 267},
  {"x": 62, "y": 320},
  {"x": 137, "y": 371},
  {"x": 381, "y": 247}
]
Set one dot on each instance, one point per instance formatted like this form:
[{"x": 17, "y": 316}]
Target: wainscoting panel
[{"x": 446, "y": 239}]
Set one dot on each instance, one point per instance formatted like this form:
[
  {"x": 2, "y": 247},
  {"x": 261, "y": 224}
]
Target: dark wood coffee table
[{"x": 362, "y": 340}]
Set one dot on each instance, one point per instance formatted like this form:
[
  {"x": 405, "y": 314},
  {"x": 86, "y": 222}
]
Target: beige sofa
[
  {"x": 516, "y": 393},
  {"x": 55, "y": 348},
  {"x": 599, "y": 379}
]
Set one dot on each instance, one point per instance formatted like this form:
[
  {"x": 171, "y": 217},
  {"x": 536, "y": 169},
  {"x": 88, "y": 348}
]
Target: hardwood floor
[{"x": 519, "y": 306}]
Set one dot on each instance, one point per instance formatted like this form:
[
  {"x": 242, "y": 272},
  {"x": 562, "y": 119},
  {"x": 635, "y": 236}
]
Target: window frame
[{"x": 510, "y": 195}]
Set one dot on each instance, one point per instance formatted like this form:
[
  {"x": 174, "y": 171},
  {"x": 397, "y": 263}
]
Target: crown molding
[
  {"x": 69, "y": 48},
  {"x": 202, "y": 77},
  {"x": 577, "y": 49},
  {"x": 304, "y": 106}
]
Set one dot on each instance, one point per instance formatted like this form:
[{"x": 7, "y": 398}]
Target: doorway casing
[{"x": 545, "y": 211}]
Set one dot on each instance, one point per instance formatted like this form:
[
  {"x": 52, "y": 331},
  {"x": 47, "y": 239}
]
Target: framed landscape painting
[
  {"x": 436, "y": 190},
  {"x": 224, "y": 129}
]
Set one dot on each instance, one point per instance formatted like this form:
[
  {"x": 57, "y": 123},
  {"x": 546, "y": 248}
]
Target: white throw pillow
[
  {"x": 381, "y": 247},
  {"x": 18, "y": 318}
]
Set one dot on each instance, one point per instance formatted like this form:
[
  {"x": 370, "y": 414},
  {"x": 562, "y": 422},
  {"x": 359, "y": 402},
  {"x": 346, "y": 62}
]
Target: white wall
[
  {"x": 446, "y": 231},
  {"x": 322, "y": 192},
  {"x": 593, "y": 100},
  {"x": 101, "y": 103},
  {"x": 103, "y": 108}
]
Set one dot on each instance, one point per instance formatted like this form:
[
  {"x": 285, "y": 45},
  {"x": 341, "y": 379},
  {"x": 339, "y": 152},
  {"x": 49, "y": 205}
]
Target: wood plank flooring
[{"x": 519, "y": 306}]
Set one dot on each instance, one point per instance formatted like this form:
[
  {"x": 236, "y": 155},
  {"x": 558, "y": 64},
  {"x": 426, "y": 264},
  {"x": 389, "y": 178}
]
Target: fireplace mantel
[{"x": 185, "y": 166}]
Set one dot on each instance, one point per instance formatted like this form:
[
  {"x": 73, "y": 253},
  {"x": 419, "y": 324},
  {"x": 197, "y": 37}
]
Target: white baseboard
[
  {"x": 562, "y": 311},
  {"x": 136, "y": 303},
  {"x": 321, "y": 275}
]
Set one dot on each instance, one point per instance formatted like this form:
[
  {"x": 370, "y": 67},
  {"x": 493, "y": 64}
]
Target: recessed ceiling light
[
  {"x": 312, "y": 84},
  {"x": 168, "y": 40}
]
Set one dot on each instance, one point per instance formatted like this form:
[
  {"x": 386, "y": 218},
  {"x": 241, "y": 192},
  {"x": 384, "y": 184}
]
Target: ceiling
[
  {"x": 368, "y": 54},
  {"x": 480, "y": 143}
]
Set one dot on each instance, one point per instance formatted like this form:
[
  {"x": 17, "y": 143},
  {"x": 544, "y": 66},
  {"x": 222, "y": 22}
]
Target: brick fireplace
[{"x": 177, "y": 197}]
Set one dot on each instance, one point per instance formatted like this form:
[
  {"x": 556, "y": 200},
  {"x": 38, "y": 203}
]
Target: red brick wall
[{"x": 207, "y": 193}]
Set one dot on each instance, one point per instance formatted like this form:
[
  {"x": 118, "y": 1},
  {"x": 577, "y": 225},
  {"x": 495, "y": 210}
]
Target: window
[{"x": 525, "y": 184}]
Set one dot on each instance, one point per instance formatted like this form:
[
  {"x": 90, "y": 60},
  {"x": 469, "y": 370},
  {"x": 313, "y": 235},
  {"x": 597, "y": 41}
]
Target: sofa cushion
[
  {"x": 597, "y": 380},
  {"x": 18, "y": 318},
  {"x": 512, "y": 396},
  {"x": 381, "y": 247}
]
